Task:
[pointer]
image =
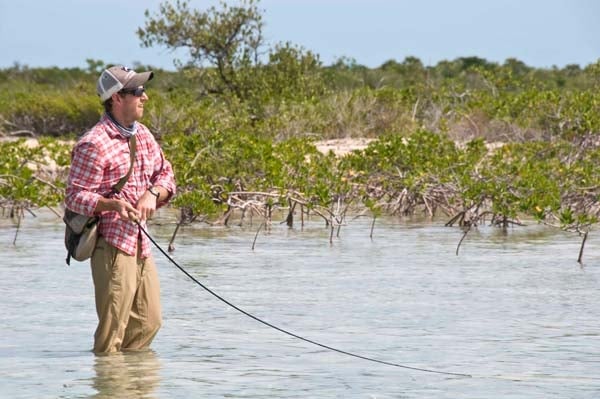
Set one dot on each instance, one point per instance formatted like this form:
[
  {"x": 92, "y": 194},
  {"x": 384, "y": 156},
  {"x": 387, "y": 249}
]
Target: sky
[{"x": 540, "y": 33}]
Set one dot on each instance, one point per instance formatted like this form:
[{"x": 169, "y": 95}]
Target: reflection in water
[{"x": 126, "y": 375}]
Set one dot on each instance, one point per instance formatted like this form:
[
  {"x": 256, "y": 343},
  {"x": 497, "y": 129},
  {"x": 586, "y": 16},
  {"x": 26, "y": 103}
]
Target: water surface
[{"x": 514, "y": 310}]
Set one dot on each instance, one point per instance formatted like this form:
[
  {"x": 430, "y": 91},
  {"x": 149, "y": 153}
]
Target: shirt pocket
[{"x": 117, "y": 167}]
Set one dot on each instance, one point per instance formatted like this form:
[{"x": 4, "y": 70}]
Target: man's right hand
[{"x": 125, "y": 210}]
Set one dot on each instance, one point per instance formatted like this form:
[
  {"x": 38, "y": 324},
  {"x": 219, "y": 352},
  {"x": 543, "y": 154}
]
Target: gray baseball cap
[{"x": 120, "y": 77}]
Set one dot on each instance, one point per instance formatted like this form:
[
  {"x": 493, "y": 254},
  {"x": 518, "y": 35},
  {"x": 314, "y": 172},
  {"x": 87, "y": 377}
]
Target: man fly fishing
[{"x": 126, "y": 284}]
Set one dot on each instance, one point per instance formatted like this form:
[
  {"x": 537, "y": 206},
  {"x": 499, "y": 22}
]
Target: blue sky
[{"x": 541, "y": 33}]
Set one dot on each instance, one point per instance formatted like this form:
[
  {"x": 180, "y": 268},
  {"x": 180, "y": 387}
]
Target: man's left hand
[{"x": 147, "y": 205}]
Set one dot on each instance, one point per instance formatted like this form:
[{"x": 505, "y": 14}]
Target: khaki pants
[{"x": 127, "y": 299}]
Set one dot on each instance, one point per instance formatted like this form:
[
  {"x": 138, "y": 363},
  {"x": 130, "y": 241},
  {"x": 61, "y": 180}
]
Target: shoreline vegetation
[
  {"x": 43, "y": 166},
  {"x": 251, "y": 129}
]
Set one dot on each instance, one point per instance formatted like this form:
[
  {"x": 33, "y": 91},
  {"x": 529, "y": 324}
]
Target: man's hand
[
  {"x": 123, "y": 208},
  {"x": 126, "y": 210},
  {"x": 146, "y": 206}
]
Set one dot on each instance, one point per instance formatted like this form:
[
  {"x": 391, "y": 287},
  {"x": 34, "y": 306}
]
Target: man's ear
[{"x": 116, "y": 98}]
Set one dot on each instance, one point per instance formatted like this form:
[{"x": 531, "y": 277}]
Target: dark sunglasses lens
[{"x": 135, "y": 92}]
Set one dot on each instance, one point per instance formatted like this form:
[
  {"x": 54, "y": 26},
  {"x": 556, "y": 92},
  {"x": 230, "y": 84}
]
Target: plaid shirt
[{"x": 98, "y": 161}]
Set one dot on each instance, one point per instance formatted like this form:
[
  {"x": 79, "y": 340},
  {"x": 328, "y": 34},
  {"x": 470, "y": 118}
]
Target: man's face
[{"x": 133, "y": 104}]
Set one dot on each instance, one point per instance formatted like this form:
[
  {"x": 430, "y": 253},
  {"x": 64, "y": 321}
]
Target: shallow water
[{"x": 514, "y": 310}]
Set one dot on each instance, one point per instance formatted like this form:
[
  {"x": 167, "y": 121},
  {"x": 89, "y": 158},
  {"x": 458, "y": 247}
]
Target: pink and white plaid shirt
[{"x": 99, "y": 159}]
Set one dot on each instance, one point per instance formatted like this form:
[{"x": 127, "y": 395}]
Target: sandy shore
[{"x": 342, "y": 146}]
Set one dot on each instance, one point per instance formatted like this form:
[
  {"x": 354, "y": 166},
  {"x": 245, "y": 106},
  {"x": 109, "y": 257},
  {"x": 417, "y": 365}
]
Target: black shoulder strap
[{"x": 132, "y": 148}]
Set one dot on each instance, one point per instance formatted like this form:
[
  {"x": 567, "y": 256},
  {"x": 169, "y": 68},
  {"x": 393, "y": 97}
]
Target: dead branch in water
[
  {"x": 372, "y": 227},
  {"x": 186, "y": 216},
  {"x": 462, "y": 238},
  {"x": 256, "y": 235},
  {"x": 580, "y": 257}
]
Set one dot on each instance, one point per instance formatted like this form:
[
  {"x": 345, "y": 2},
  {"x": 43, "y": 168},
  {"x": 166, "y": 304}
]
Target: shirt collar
[{"x": 117, "y": 128}]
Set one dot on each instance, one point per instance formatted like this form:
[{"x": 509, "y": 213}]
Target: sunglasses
[{"x": 136, "y": 92}]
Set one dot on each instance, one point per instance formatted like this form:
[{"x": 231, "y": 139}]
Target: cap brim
[{"x": 139, "y": 79}]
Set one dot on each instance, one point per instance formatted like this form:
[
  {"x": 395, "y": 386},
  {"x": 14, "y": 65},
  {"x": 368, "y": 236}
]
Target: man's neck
[
  {"x": 122, "y": 121},
  {"x": 125, "y": 131}
]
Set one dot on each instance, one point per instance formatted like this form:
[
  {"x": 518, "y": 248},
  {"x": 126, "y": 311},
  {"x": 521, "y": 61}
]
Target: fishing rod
[{"x": 310, "y": 341}]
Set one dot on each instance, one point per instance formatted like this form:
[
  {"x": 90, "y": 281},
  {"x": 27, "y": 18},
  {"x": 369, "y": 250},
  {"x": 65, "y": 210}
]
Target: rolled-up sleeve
[
  {"x": 85, "y": 177},
  {"x": 163, "y": 175}
]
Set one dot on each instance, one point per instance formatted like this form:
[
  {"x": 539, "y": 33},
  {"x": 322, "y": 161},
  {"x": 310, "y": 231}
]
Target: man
[{"x": 125, "y": 278}]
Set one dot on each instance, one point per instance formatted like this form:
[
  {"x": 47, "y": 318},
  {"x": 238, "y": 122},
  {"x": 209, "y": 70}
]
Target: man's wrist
[{"x": 154, "y": 191}]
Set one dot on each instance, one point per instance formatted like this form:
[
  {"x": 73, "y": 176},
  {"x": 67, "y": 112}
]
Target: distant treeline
[{"x": 295, "y": 95}]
